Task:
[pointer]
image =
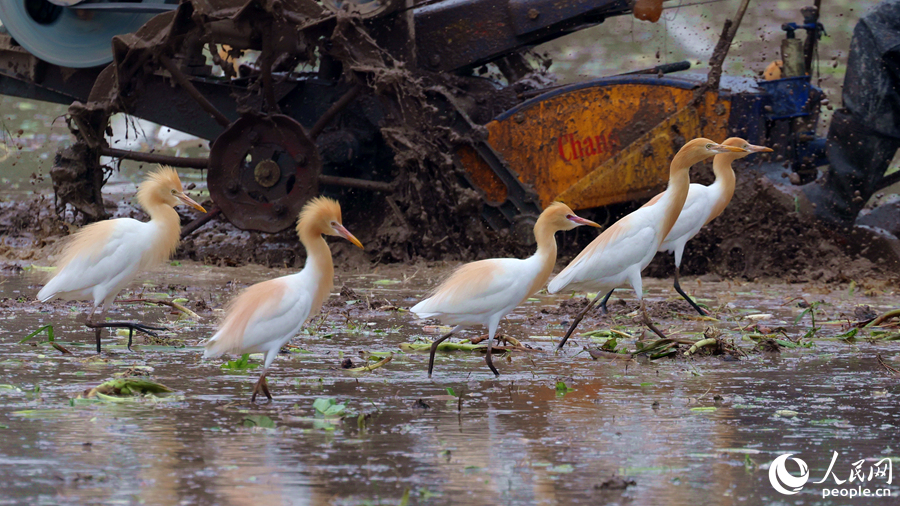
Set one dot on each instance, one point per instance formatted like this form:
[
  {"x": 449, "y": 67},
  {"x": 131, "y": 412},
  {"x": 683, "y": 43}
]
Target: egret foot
[
  {"x": 488, "y": 357},
  {"x": 577, "y": 321},
  {"x": 648, "y": 323},
  {"x": 131, "y": 326},
  {"x": 434, "y": 347},
  {"x": 690, "y": 300},
  {"x": 261, "y": 386}
]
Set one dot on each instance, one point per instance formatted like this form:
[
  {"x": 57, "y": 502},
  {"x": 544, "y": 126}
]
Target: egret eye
[
  {"x": 569, "y": 216},
  {"x": 709, "y": 146},
  {"x": 174, "y": 191}
]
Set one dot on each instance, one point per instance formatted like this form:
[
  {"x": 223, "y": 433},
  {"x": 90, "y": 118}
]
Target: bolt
[
  {"x": 302, "y": 160},
  {"x": 279, "y": 209},
  {"x": 520, "y": 117},
  {"x": 253, "y": 136},
  {"x": 533, "y": 14},
  {"x": 232, "y": 187}
]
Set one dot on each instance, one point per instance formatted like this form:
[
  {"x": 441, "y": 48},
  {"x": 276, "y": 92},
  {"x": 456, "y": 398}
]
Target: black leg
[
  {"x": 577, "y": 321},
  {"x": 489, "y": 357},
  {"x": 434, "y": 347},
  {"x": 648, "y": 323},
  {"x": 131, "y": 326},
  {"x": 605, "y": 299},
  {"x": 690, "y": 301}
]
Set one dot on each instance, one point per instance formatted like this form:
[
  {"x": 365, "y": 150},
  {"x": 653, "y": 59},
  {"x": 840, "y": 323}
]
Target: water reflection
[{"x": 686, "y": 430}]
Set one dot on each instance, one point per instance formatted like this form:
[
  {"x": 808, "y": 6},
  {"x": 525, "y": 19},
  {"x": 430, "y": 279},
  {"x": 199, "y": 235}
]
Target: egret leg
[
  {"x": 434, "y": 347},
  {"x": 647, "y": 321},
  {"x": 488, "y": 357},
  {"x": 131, "y": 326},
  {"x": 577, "y": 321},
  {"x": 681, "y": 292},
  {"x": 605, "y": 299},
  {"x": 261, "y": 386}
]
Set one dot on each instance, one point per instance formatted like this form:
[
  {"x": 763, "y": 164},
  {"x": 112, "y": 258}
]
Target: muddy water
[{"x": 699, "y": 430}]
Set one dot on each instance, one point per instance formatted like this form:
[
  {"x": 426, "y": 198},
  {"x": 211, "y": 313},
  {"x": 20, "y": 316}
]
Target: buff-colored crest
[{"x": 319, "y": 209}]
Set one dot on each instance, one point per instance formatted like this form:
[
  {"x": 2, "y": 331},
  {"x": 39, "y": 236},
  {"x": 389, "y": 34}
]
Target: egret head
[
  {"x": 163, "y": 186},
  {"x": 746, "y": 146},
  {"x": 322, "y": 215},
  {"x": 559, "y": 216}
]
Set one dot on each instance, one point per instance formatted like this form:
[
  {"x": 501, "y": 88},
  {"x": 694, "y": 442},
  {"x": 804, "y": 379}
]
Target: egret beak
[
  {"x": 722, "y": 148},
  {"x": 343, "y": 232},
  {"x": 581, "y": 221},
  {"x": 758, "y": 149},
  {"x": 189, "y": 201}
]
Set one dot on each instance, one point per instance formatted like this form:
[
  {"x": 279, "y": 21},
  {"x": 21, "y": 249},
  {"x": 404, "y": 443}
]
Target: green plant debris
[
  {"x": 328, "y": 408},
  {"x": 48, "y": 328},
  {"x": 562, "y": 468},
  {"x": 850, "y": 335},
  {"x": 241, "y": 364},
  {"x": 372, "y": 367},
  {"x": 704, "y": 409},
  {"x": 786, "y": 413},
  {"x": 404, "y": 501},
  {"x": 452, "y": 392},
  {"x": 562, "y": 389},
  {"x": 126, "y": 387},
  {"x": 387, "y": 282},
  {"x": 425, "y": 345},
  {"x": 700, "y": 344},
  {"x": 261, "y": 421}
]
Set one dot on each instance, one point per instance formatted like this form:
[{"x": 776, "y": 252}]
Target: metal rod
[
  {"x": 721, "y": 50},
  {"x": 362, "y": 184},
  {"x": 175, "y": 161},
  {"x": 332, "y": 111},
  {"x": 191, "y": 227},
  {"x": 185, "y": 83}
]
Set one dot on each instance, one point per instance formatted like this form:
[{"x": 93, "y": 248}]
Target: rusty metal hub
[{"x": 262, "y": 170}]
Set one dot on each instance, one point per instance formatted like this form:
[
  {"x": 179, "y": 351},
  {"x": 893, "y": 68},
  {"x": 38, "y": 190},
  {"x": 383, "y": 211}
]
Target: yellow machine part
[{"x": 599, "y": 145}]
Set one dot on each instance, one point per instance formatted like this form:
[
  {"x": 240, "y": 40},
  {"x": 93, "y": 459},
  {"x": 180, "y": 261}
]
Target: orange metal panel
[{"x": 554, "y": 144}]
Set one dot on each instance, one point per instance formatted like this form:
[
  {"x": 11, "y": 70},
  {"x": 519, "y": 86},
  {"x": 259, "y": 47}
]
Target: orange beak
[
  {"x": 343, "y": 232},
  {"x": 581, "y": 221},
  {"x": 758, "y": 149},
  {"x": 724, "y": 148},
  {"x": 189, "y": 201}
]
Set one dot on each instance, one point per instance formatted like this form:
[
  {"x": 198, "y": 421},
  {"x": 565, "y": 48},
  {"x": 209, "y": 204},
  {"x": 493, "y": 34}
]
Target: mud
[{"x": 674, "y": 430}]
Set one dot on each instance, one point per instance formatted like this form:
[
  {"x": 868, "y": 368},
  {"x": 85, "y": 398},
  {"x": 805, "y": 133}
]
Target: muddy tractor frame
[{"x": 301, "y": 96}]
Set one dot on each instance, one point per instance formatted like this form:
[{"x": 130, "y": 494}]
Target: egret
[
  {"x": 621, "y": 252},
  {"x": 102, "y": 258},
  {"x": 703, "y": 204},
  {"x": 483, "y": 292},
  {"x": 265, "y": 316}
]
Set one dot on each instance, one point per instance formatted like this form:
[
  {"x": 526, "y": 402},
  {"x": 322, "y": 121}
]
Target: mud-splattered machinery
[{"x": 383, "y": 96}]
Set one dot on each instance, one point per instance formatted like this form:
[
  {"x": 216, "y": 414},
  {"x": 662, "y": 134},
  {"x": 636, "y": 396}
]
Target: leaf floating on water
[
  {"x": 328, "y": 407},
  {"x": 786, "y": 412},
  {"x": 262, "y": 421},
  {"x": 562, "y": 389},
  {"x": 126, "y": 387},
  {"x": 704, "y": 409}
]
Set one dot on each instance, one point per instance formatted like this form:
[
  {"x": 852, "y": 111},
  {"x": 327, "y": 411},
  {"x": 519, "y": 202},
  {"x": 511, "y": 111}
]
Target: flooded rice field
[{"x": 789, "y": 376}]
